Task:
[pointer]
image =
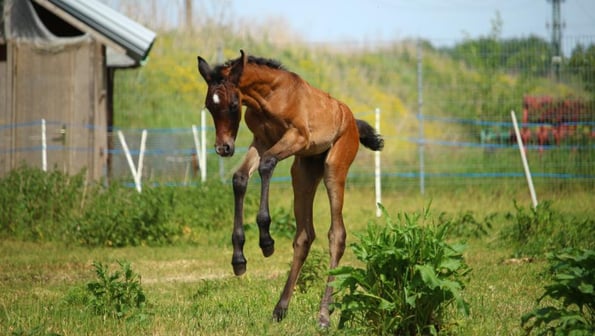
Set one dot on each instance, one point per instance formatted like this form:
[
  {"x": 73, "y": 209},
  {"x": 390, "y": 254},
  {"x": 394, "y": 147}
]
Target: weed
[
  {"x": 314, "y": 269},
  {"x": 35, "y": 205},
  {"x": 283, "y": 223},
  {"x": 117, "y": 294},
  {"x": 573, "y": 282},
  {"x": 120, "y": 216},
  {"x": 465, "y": 225},
  {"x": 39, "y": 330},
  {"x": 207, "y": 206},
  {"x": 541, "y": 230},
  {"x": 411, "y": 276}
]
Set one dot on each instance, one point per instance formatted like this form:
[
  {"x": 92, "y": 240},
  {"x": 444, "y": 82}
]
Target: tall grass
[{"x": 189, "y": 285}]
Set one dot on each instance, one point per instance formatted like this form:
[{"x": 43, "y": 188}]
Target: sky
[{"x": 440, "y": 21}]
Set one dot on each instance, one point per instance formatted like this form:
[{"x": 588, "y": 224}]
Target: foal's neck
[{"x": 259, "y": 82}]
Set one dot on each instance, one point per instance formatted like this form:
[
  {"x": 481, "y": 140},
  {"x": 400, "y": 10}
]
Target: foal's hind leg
[
  {"x": 306, "y": 174},
  {"x": 337, "y": 165}
]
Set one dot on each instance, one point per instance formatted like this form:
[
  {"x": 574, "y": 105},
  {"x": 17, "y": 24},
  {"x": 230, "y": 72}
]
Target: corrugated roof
[{"x": 130, "y": 36}]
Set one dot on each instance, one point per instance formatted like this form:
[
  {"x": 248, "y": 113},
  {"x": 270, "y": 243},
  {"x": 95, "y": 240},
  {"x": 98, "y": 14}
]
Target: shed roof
[{"x": 106, "y": 24}]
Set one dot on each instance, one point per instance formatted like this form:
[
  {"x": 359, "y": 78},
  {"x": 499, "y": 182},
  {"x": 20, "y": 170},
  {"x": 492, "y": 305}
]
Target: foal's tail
[{"x": 368, "y": 136}]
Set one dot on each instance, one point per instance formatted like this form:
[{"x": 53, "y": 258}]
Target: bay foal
[{"x": 287, "y": 117}]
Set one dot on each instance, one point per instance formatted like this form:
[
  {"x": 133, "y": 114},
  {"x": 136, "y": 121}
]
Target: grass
[{"x": 190, "y": 288}]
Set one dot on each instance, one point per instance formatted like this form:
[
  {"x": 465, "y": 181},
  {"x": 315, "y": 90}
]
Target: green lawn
[{"x": 191, "y": 289}]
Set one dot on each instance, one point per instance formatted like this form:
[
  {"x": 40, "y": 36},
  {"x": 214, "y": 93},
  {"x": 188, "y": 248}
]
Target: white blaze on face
[{"x": 216, "y": 98}]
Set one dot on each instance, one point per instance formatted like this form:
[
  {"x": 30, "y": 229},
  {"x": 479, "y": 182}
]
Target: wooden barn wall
[{"x": 66, "y": 86}]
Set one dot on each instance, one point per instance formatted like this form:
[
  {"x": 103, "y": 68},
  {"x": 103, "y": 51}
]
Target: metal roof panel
[{"x": 133, "y": 37}]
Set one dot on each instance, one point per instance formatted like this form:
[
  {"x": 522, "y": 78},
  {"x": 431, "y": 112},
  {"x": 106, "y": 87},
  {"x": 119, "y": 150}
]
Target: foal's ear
[
  {"x": 238, "y": 68},
  {"x": 204, "y": 69}
]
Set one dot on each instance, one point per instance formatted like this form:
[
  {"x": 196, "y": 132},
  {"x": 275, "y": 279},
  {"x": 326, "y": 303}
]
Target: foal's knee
[
  {"x": 304, "y": 238},
  {"x": 267, "y": 165},
  {"x": 239, "y": 182}
]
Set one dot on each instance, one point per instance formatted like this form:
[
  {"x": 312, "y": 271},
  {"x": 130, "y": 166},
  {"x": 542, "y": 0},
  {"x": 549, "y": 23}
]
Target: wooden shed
[{"x": 57, "y": 64}]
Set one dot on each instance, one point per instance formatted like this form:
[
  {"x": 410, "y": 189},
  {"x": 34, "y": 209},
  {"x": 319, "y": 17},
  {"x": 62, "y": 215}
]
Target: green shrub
[
  {"x": 411, "y": 276},
  {"x": 53, "y": 206},
  {"x": 573, "y": 281},
  {"x": 540, "y": 230},
  {"x": 283, "y": 223},
  {"x": 37, "y": 205},
  {"x": 118, "y": 294},
  {"x": 465, "y": 225},
  {"x": 314, "y": 270},
  {"x": 120, "y": 216},
  {"x": 207, "y": 206}
]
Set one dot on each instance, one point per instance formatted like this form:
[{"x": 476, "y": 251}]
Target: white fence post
[
  {"x": 377, "y": 171},
  {"x": 524, "y": 159},
  {"x": 203, "y": 133},
  {"x": 44, "y": 147},
  {"x": 201, "y": 146},
  {"x": 136, "y": 174},
  {"x": 420, "y": 103}
]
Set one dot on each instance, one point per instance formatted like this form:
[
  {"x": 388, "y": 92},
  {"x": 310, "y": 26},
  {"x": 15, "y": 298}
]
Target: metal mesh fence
[
  {"x": 468, "y": 133},
  {"x": 459, "y": 131}
]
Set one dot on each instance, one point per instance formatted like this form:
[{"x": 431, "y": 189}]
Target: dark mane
[
  {"x": 271, "y": 63},
  {"x": 216, "y": 72}
]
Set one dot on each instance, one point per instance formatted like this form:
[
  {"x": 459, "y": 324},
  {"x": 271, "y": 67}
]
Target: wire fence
[
  {"x": 489, "y": 151},
  {"x": 458, "y": 131},
  {"x": 466, "y": 133}
]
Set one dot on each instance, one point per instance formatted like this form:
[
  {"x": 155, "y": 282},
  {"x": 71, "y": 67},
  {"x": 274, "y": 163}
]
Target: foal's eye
[{"x": 234, "y": 103}]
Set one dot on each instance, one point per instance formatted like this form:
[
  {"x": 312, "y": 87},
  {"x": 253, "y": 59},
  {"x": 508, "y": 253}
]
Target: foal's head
[{"x": 224, "y": 100}]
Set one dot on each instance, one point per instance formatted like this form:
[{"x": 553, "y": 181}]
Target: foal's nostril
[{"x": 224, "y": 150}]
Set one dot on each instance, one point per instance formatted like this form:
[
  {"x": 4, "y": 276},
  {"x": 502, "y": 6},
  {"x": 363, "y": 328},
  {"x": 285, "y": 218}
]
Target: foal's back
[{"x": 291, "y": 102}]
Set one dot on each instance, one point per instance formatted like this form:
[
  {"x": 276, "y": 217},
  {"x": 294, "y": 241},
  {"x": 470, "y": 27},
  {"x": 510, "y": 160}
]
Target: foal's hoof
[
  {"x": 279, "y": 314},
  {"x": 324, "y": 323},
  {"x": 268, "y": 249},
  {"x": 239, "y": 268},
  {"x": 324, "y": 319}
]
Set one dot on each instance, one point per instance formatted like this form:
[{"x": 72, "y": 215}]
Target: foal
[{"x": 287, "y": 116}]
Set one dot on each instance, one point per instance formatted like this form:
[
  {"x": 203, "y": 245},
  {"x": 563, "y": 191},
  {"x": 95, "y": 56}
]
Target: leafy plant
[
  {"x": 120, "y": 216},
  {"x": 314, "y": 269},
  {"x": 34, "y": 205},
  {"x": 283, "y": 223},
  {"x": 540, "y": 230},
  {"x": 573, "y": 281},
  {"x": 39, "y": 330},
  {"x": 118, "y": 294},
  {"x": 411, "y": 276},
  {"x": 206, "y": 206},
  {"x": 466, "y": 225}
]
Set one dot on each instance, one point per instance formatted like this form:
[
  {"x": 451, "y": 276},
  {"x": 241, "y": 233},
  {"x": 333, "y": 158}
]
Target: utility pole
[
  {"x": 188, "y": 12},
  {"x": 557, "y": 26}
]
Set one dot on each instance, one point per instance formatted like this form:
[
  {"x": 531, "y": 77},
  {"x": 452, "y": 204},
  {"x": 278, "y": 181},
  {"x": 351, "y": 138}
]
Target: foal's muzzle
[{"x": 225, "y": 149}]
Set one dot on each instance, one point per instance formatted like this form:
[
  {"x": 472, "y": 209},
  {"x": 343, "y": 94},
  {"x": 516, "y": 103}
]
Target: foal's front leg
[
  {"x": 263, "y": 218},
  {"x": 240, "y": 183},
  {"x": 290, "y": 143}
]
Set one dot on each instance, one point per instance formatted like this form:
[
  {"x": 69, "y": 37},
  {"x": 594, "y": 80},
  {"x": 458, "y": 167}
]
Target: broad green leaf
[
  {"x": 586, "y": 288},
  {"x": 428, "y": 275}
]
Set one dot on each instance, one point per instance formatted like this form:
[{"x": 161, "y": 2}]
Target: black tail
[{"x": 368, "y": 136}]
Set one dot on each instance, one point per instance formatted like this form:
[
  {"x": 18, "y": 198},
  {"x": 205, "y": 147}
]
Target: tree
[{"x": 582, "y": 64}]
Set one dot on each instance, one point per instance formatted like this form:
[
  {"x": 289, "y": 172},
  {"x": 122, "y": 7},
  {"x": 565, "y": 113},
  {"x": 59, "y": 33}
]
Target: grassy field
[{"x": 190, "y": 288}]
